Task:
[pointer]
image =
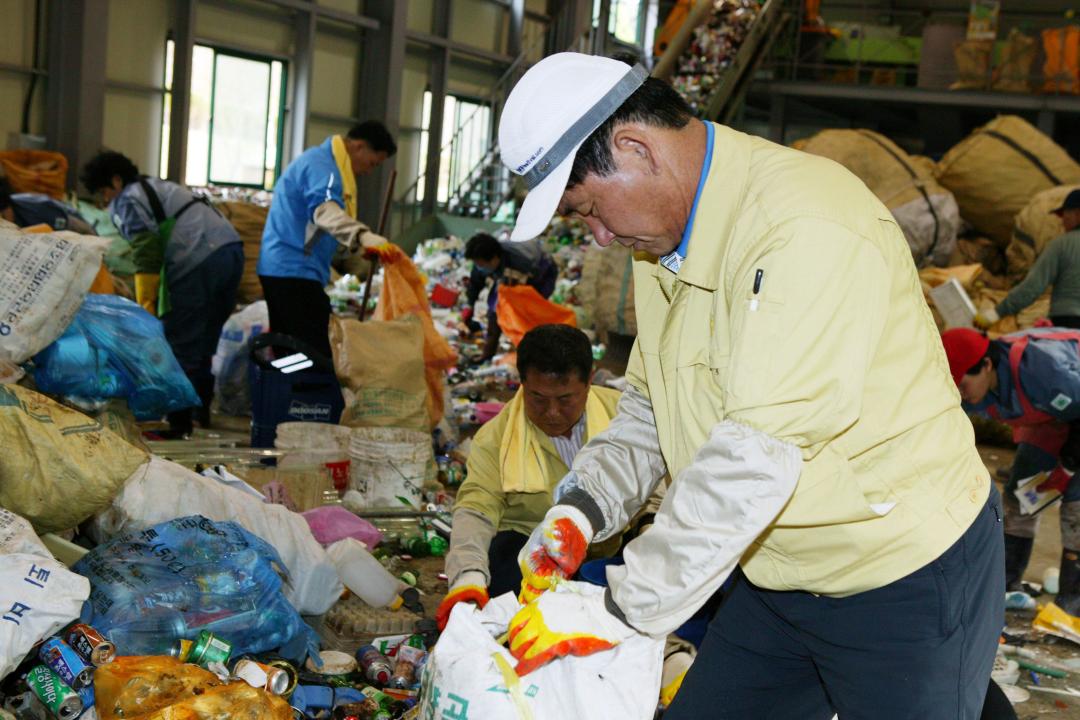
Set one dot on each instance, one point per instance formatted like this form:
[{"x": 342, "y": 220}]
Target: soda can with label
[
  {"x": 90, "y": 644},
  {"x": 208, "y": 648},
  {"x": 62, "y": 701},
  {"x": 269, "y": 678},
  {"x": 66, "y": 663}
]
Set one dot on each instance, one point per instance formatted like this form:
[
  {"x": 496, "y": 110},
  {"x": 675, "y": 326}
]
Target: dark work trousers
[
  {"x": 1065, "y": 321},
  {"x": 202, "y": 300},
  {"x": 921, "y": 647},
  {"x": 503, "y": 562},
  {"x": 300, "y": 308}
]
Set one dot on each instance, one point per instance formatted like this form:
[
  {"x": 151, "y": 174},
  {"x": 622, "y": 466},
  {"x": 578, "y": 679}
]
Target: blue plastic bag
[
  {"x": 153, "y": 587},
  {"x": 114, "y": 348}
]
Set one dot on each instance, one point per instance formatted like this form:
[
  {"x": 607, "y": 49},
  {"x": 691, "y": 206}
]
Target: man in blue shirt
[
  {"x": 188, "y": 260},
  {"x": 27, "y": 209},
  {"x": 313, "y": 214}
]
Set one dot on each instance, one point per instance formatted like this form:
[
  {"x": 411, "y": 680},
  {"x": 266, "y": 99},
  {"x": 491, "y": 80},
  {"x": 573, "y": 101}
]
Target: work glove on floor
[
  {"x": 985, "y": 318},
  {"x": 557, "y": 624},
  {"x": 556, "y": 548},
  {"x": 471, "y": 587}
]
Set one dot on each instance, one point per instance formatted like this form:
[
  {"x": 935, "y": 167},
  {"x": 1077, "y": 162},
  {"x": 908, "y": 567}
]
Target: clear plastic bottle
[
  {"x": 363, "y": 574},
  {"x": 152, "y": 631}
]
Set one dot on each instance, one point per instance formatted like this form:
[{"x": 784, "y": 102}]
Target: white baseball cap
[{"x": 551, "y": 111}]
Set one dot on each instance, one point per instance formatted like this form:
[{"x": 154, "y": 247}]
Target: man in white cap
[{"x": 789, "y": 376}]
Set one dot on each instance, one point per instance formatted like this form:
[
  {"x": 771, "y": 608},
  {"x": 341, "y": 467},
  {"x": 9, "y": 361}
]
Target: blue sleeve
[
  {"x": 130, "y": 217},
  {"x": 1051, "y": 378},
  {"x": 321, "y": 181}
]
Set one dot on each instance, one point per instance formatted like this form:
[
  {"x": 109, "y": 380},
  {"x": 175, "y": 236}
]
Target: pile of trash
[{"x": 712, "y": 50}]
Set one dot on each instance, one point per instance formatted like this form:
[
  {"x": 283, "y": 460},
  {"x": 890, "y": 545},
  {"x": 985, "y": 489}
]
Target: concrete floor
[{"x": 1046, "y": 554}]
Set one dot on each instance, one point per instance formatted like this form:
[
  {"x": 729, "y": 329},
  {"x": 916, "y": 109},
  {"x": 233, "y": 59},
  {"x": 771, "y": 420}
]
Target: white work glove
[
  {"x": 561, "y": 623},
  {"x": 556, "y": 548},
  {"x": 985, "y": 318}
]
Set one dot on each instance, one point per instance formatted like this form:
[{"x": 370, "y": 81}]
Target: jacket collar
[{"x": 717, "y": 210}]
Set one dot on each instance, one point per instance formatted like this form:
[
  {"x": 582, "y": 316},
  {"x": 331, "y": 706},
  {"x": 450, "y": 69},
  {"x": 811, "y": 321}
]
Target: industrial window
[
  {"x": 466, "y": 137},
  {"x": 235, "y": 126},
  {"x": 629, "y": 21}
]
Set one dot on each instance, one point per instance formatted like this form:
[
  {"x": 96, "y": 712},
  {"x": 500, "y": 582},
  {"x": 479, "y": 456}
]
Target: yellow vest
[
  {"x": 836, "y": 353},
  {"x": 483, "y": 490}
]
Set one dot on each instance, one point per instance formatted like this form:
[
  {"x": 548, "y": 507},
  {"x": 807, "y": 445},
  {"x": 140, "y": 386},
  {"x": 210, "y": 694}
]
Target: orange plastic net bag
[
  {"x": 163, "y": 688},
  {"x": 520, "y": 308},
  {"x": 37, "y": 171}
]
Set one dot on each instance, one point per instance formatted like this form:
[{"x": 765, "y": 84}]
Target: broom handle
[{"x": 383, "y": 217}]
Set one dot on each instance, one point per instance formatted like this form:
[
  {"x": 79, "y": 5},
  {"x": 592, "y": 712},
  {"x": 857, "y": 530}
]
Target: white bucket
[
  {"x": 315, "y": 444},
  {"x": 388, "y": 463},
  {"x": 312, "y": 436}
]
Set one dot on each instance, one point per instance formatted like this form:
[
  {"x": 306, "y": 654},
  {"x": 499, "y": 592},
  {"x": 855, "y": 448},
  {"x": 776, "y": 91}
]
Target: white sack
[
  {"x": 618, "y": 684},
  {"x": 38, "y": 595},
  {"x": 161, "y": 490},
  {"x": 43, "y": 280}
]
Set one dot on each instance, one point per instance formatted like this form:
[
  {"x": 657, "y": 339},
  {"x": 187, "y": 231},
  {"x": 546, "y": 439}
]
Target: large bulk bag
[
  {"x": 606, "y": 290},
  {"x": 248, "y": 220},
  {"x": 1035, "y": 227},
  {"x": 59, "y": 466},
  {"x": 1061, "y": 47},
  {"x": 925, "y": 211},
  {"x": 996, "y": 170}
]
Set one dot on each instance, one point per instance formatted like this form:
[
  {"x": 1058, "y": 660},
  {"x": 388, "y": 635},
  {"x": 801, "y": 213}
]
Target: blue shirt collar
[{"x": 674, "y": 260}]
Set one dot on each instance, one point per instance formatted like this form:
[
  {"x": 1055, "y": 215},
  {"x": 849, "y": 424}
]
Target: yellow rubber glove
[
  {"x": 466, "y": 590},
  {"x": 146, "y": 291},
  {"x": 675, "y": 668},
  {"x": 556, "y": 548},
  {"x": 985, "y": 318},
  {"x": 563, "y": 623}
]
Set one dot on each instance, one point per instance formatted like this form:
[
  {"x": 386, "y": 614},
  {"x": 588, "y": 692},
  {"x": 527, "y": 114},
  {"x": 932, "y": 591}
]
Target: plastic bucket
[{"x": 388, "y": 464}]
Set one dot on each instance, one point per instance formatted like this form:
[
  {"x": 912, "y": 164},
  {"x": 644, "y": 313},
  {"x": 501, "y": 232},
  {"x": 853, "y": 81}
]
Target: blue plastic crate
[{"x": 308, "y": 395}]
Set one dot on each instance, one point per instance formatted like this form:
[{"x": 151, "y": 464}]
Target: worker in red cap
[{"x": 1031, "y": 381}]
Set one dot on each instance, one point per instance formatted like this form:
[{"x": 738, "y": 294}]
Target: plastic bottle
[
  {"x": 153, "y": 631},
  {"x": 363, "y": 574}
]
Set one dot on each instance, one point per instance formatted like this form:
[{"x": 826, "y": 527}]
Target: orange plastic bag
[
  {"x": 1062, "y": 67},
  {"x": 163, "y": 688},
  {"x": 520, "y": 308},
  {"x": 403, "y": 293},
  {"x": 37, "y": 171}
]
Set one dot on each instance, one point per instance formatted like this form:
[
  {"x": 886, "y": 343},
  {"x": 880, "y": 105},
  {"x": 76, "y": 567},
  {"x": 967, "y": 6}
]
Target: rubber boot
[
  {"x": 180, "y": 425},
  {"x": 1017, "y": 555},
  {"x": 1068, "y": 598},
  {"x": 205, "y": 390}
]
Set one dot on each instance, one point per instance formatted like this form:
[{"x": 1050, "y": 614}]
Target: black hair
[
  {"x": 482, "y": 246},
  {"x": 375, "y": 134},
  {"x": 655, "y": 103},
  {"x": 555, "y": 350},
  {"x": 991, "y": 355},
  {"x": 106, "y": 165},
  {"x": 5, "y": 193}
]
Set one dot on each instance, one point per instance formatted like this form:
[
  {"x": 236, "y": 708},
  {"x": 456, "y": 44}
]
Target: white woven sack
[{"x": 468, "y": 668}]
